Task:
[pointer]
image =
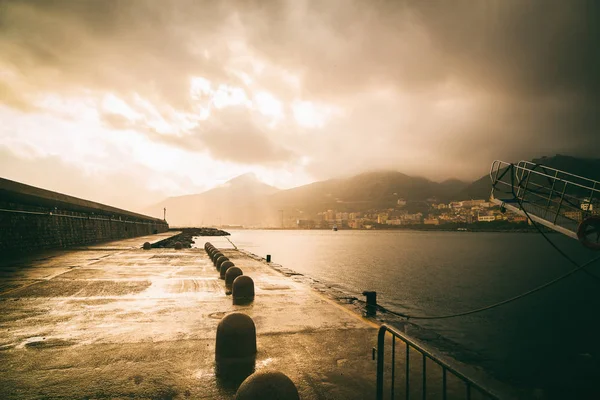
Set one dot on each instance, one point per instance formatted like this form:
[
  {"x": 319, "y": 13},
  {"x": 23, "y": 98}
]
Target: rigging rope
[
  {"x": 560, "y": 251},
  {"x": 522, "y": 295},
  {"x": 233, "y": 244}
]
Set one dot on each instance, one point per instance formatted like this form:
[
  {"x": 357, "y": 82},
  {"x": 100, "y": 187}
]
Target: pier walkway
[{"x": 115, "y": 321}]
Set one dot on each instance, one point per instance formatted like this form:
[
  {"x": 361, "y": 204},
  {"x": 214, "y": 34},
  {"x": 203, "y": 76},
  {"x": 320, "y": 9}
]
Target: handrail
[
  {"x": 538, "y": 173},
  {"x": 470, "y": 383},
  {"x": 549, "y": 197},
  {"x": 524, "y": 164}
]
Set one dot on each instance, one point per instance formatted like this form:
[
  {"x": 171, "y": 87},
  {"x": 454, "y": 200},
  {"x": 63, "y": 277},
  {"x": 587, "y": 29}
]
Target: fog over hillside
[{"x": 247, "y": 201}]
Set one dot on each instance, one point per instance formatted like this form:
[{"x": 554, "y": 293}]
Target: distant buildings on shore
[{"x": 430, "y": 213}]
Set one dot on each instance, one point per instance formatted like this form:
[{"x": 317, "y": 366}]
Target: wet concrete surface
[{"x": 115, "y": 321}]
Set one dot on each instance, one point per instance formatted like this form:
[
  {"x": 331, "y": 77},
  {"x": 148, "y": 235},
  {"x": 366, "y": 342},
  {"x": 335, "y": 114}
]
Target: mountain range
[{"x": 249, "y": 202}]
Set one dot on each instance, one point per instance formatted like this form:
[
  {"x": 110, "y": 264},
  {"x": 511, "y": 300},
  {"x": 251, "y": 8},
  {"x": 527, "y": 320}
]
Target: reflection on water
[{"x": 544, "y": 337}]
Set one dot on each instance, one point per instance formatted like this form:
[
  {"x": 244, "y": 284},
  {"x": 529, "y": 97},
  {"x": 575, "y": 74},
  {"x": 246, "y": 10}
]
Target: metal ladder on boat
[{"x": 564, "y": 202}]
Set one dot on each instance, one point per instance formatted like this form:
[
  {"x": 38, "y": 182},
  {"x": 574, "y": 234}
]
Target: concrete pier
[{"x": 116, "y": 321}]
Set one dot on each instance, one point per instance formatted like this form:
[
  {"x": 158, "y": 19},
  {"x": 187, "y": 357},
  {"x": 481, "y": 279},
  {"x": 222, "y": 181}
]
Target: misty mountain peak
[
  {"x": 247, "y": 183},
  {"x": 248, "y": 178}
]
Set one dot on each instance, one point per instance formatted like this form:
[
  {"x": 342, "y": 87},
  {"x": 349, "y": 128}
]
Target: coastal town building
[
  {"x": 574, "y": 215},
  {"x": 471, "y": 211},
  {"x": 586, "y": 205}
]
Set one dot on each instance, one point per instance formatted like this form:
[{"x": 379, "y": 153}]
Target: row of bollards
[
  {"x": 240, "y": 287},
  {"x": 235, "y": 350}
]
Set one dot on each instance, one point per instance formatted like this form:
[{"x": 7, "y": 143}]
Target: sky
[{"x": 129, "y": 102}]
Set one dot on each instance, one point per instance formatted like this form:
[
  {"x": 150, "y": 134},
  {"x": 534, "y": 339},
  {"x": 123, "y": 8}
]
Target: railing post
[
  {"x": 589, "y": 207},
  {"x": 407, "y": 371},
  {"x": 444, "y": 388},
  {"x": 524, "y": 193},
  {"x": 550, "y": 195},
  {"x": 393, "y": 365},
  {"x": 469, "y": 383},
  {"x": 424, "y": 377},
  {"x": 562, "y": 196},
  {"x": 380, "y": 348}
]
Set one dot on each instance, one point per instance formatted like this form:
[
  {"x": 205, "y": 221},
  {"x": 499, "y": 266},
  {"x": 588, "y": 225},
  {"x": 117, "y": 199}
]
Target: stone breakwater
[{"x": 186, "y": 237}]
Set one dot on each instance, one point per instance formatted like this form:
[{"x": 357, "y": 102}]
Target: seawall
[{"x": 33, "y": 219}]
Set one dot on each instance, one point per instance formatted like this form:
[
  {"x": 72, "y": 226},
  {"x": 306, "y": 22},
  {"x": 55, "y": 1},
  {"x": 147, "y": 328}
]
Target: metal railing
[
  {"x": 434, "y": 380},
  {"x": 554, "y": 198}
]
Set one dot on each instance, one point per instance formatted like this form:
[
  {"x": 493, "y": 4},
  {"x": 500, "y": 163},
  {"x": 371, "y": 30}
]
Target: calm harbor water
[{"x": 541, "y": 341}]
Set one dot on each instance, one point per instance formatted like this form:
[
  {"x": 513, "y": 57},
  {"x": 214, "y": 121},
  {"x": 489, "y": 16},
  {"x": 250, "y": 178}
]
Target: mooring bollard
[
  {"x": 268, "y": 258},
  {"x": 224, "y": 266},
  {"x": 242, "y": 290},
  {"x": 220, "y": 261},
  {"x": 216, "y": 256},
  {"x": 178, "y": 246},
  {"x": 147, "y": 246},
  {"x": 371, "y": 302},
  {"x": 230, "y": 275},
  {"x": 235, "y": 350},
  {"x": 267, "y": 385}
]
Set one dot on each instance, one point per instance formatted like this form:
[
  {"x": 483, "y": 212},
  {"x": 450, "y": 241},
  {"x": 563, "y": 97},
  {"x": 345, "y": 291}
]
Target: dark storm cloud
[
  {"x": 523, "y": 75},
  {"x": 525, "y": 47},
  {"x": 232, "y": 134},
  {"x": 118, "y": 46}
]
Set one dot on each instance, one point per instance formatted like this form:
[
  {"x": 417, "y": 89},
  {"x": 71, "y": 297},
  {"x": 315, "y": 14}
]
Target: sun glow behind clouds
[
  {"x": 82, "y": 107},
  {"x": 308, "y": 115},
  {"x": 199, "y": 87},
  {"x": 115, "y": 105},
  {"x": 96, "y": 132},
  {"x": 268, "y": 105},
  {"x": 203, "y": 91}
]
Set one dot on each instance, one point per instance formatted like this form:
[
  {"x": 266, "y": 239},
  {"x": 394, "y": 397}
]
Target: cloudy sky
[{"x": 127, "y": 102}]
